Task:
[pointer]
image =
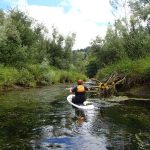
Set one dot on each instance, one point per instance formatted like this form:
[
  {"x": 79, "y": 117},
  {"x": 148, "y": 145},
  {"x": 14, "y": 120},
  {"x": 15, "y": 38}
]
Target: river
[{"x": 41, "y": 119}]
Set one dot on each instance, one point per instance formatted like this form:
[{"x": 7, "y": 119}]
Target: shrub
[
  {"x": 8, "y": 76},
  {"x": 138, "y": 70},
  {"x": 26, "y": 78}
]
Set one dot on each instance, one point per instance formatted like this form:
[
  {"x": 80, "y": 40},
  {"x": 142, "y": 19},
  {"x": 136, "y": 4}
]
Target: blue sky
[
  {"x": 44, "y": 2},
  {"x": 4, "y": 4},
  {"x": 85, "y": 18},
  {"x": 51, "y": 3}
]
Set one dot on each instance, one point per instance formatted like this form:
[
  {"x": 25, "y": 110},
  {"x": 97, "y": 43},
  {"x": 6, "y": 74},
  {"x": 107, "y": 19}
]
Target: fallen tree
[{"x": 108, "y": 86}]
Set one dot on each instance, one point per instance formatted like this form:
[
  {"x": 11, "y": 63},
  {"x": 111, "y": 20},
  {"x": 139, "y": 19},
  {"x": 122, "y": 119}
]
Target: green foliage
[
  {"x": 38, "y": 74},
  {"x": 137, "y": 70},
  {"x": 106, "y": 52},
  {"x": 91, "y": 69},
  {"x": 140, "y": 9},
  {"x": 21, "y": 44},
  {"x": 1, "y": 17},
  {"x": 137, "y": 44},
  {"x": 68, "y": 76},
  {"x": 32, "y": 57},
  {"x": 23, "y": 24},
  {"x": 12, "y": 51},
  {"x": 25, "y": 78},
  {"x": 9, "y": 44},
  {"x": 126, "y": 46},
  {"x": 8, "y": 76},
  {"x": 79, "y": 60},
  {"x": 143, "y": 65},
  {"x": 123, "y": 66},
  {"x": 59, "y": 50}
]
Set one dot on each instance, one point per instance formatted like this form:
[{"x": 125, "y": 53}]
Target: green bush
[
  {"x": 8, "y": 76},
  {"x": 70, "y": 76},
  {"x": 124, "y": 66},
  {"x": 37, "y": 74},
  {"x": 144, "y": 67},
  {"x": 137, "y": 70},
  {"x": 43, "y": 73},
  {"x": 25, "y": 78}
]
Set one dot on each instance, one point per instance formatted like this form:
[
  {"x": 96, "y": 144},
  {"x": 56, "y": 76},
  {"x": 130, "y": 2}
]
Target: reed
[{"x": 35, "y": 75}]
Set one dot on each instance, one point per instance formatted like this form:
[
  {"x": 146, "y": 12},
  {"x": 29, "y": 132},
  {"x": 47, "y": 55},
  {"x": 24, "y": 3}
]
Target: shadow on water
[{"x": 42, "y": 119}]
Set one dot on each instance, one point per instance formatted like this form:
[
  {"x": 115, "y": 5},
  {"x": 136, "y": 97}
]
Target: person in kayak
[{"x": 79, "y": 91}]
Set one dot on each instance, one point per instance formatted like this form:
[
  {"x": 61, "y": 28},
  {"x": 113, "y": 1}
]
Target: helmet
[{"x": 80, "y": 82}]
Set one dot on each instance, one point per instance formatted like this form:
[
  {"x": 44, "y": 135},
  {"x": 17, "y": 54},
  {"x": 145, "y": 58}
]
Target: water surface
[{"x": 42, "y": 119}]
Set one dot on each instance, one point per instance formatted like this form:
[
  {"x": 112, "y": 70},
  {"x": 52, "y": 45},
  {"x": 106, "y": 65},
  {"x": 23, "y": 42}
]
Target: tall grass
[
  {"x": 25, "y": 78},
  {"x": 137, "y": 70},
  {"x": 8, "y": 76},
  {"x": 37, "y": 74},
  {"x": 124, "y": 66}
]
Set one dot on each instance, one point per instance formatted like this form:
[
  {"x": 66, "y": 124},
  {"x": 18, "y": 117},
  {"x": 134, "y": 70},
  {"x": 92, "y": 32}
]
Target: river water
[{"x": 41, "y": 119}]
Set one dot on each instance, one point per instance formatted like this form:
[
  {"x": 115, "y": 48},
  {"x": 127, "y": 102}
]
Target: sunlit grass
[
  {"x": 35, "y": 75},
  {"x": 8, "y": 76},
  {"x": 139, "y": 69}
]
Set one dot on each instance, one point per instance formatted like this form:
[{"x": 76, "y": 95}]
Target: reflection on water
[
  {"x": 42, "y": 119},
  {"x": 76, "y": 131}
]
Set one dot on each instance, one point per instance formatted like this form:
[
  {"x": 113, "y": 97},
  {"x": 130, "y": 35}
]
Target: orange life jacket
[{"x": 80, "y": 88}]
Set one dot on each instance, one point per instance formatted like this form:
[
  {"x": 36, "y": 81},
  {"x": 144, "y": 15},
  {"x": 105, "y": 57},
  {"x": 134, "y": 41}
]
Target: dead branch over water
[{"x": 107, "y": 87}]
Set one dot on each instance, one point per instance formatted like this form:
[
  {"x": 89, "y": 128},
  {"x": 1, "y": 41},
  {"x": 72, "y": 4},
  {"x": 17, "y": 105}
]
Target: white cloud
[
  {"x": 19, "y": 3},
  {"x": 93, "y": 10},
  {"x": 86, "y": 18}
]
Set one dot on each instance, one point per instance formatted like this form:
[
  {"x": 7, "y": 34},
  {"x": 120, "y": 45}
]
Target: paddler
[{"x": 79, "y": 91}]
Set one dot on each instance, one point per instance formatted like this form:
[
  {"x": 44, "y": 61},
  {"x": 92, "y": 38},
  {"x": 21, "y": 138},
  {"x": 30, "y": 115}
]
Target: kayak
[{"x": 86, "y": 105}]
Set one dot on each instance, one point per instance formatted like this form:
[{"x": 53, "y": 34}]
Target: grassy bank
[
  {"x": 35, "y": 75},
  {"x": 137, "y": 71}
]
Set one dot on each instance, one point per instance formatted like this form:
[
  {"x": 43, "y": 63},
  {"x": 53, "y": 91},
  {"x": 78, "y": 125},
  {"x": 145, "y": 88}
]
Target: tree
[
  {"x": 54, "y": 48},
  {"x": 2, "y": 17},
  {"x": 120, "y": 10},
  {"x": 11, "y": 51},
  {"x": 91, "y": 69},
  {"x": 141, "y": 11},
  {"x": 79, "y": 60}
]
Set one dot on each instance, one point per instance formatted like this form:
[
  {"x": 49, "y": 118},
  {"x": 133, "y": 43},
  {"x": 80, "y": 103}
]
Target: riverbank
[
  {"x": 41, "y": 76},
  {"x": 137, "y": 72},
  {"x": 35, "y": 76}
]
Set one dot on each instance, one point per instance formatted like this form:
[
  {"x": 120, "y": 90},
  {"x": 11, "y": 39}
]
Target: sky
[{"x": 86, "y": 18}]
